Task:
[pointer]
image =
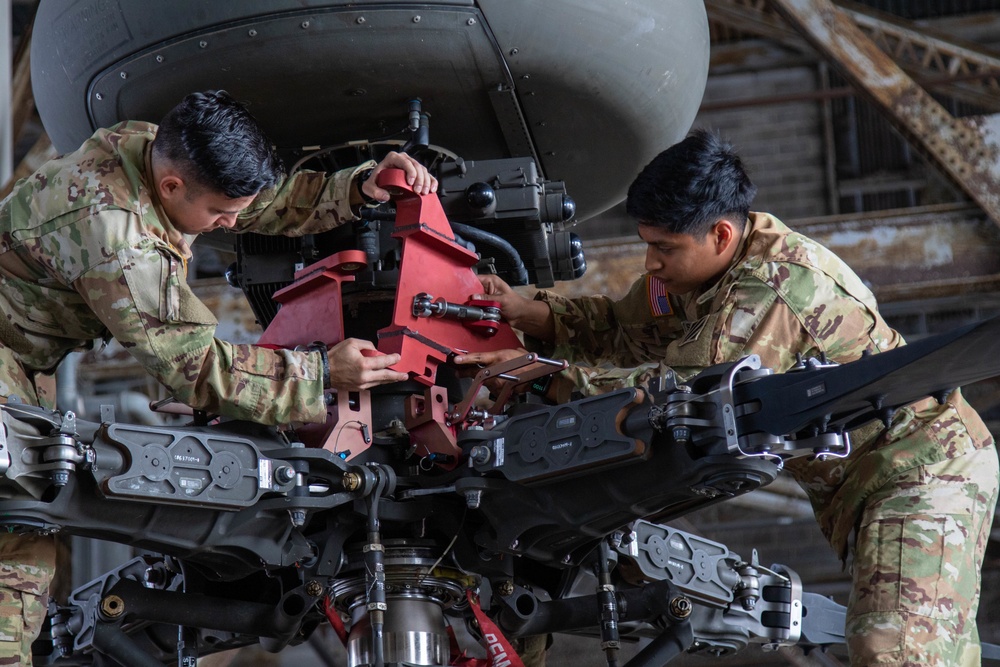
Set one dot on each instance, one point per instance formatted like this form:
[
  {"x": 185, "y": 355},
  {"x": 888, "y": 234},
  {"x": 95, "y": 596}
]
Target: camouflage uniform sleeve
[
  {"x": 612, "y": 344},
  {"x": 307, "y": 202},
  {"x": 141, "y": 295},
  {"x": 600, "y": 330}
]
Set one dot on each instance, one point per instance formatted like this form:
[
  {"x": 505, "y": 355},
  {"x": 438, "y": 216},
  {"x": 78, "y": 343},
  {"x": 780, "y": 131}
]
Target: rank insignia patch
[{"x": 692, "y": 330}]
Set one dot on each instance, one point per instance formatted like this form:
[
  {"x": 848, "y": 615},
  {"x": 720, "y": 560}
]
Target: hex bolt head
[
  {"x": 112, "y": 606},
  {"x": 681, "y": 607}
]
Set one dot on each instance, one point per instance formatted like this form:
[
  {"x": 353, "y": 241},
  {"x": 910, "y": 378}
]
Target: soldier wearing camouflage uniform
[
  {"x": 95, "y": 244},
  {"x": 723, "y": 283}
]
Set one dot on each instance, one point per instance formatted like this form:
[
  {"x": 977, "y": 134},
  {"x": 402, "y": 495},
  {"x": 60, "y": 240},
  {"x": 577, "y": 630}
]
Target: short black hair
[
  {"x": 692, "y": 185},
  {"x": 216, "y": 143}
]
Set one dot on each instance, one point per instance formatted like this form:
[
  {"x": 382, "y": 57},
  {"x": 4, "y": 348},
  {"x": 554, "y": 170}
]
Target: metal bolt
[
  {"x": 112, "y": 606},
  {"x": 284, "y": 474},
  {"x": 361, "y": 19},
  {"x": 505, "y": 588},
  {"x": 473, "y": 498},
  {"x": 298, "y": 517},
  {"x": 154, "y": 577},
  {"x": 314, "y": 588},
  {"x": 680, "y": 607},
  {"x": 514, "y": 545},
  {"x": 159, "y": 59},
  {"x": 351, "y": 481},
  {"x": 252, "y": 32},
  {"x": 471, "y": 22},
  {"x": 416, "y": 19},
  {"x": 99, "y": 96},
  {"x": 480, "y": 454},
  {"x": 202, "y": 43},
  {"x": 123, "y": 75},
  {"x": 567, "y": 559},
  {"x": 513, "y": 52},
  {"x": 60, "y": 477},
  {"x": 305, "y": 24}
]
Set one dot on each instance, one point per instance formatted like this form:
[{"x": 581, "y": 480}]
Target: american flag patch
[{"x": 659, "y": 301}]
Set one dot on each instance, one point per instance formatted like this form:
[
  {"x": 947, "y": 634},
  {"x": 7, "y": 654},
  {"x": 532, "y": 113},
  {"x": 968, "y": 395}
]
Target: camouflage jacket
[
  {"x": 87, "y": 252},
  {"x": 783, "y": 295}
]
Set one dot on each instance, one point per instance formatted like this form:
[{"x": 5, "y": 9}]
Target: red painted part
[
  {"x": 347, "y": 430},
  {"x": 312, "y": 307},
  {"x": 432, "y": 262},
  {"x": 427, "y": 423}
]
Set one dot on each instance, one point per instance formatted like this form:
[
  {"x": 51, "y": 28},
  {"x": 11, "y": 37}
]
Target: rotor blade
[{"x": 854, "y": 393}]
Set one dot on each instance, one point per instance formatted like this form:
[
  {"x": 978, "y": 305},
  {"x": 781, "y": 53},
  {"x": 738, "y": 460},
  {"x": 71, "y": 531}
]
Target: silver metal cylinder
[{"x": 414, "y": 633}]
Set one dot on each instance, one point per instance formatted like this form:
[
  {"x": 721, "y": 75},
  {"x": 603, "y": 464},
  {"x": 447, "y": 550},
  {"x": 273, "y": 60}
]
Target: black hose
[{"x": 509, "y": 252}]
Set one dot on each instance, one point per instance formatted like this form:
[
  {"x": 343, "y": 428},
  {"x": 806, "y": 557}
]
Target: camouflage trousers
[
  {"x": 917, "y": 565},
  {"x": 27, "y": 562}
]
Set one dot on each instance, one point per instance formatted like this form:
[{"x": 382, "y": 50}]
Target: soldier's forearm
[{"x": 535, "y": 319}]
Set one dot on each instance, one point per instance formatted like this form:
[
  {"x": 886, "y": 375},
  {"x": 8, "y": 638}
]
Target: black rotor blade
[{"x": 854, "y": 393}]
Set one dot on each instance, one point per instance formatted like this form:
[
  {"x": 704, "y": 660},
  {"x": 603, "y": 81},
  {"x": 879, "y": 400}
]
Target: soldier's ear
[
  {"x": 724, "y": 233},
  {"x": 169, "y": 186}
]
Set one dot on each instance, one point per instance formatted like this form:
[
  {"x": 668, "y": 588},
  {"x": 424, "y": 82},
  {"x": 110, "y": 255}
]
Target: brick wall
[{"x": 781, "y": 144}]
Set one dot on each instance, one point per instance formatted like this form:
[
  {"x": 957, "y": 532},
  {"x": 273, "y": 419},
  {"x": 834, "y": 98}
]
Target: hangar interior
[{"x": 889, "y": 173}]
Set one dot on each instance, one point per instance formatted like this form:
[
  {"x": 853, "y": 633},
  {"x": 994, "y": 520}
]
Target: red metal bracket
[
  {"x": 433, "y": 263},
  {"x": 312, "y": 307}
]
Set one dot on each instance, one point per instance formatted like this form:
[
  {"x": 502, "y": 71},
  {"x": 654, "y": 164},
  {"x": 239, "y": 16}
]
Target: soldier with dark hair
[
  {"x": 95, "y": 245},
  {"x": 722, "y": 283}
]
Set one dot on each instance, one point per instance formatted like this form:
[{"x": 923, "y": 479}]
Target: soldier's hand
[
  {"x": 356, "y": 364},
  {"x": 417, "y": 176},
  {"x": 484, "y": 359},
  {"x": 511, "y": 303},
  {"x": 530, "y": 316}
]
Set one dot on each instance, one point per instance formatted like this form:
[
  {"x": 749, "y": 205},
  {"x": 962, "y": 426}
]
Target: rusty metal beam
[
  {"x": 965, "y": 148},
  {"x": 754, "y": 17},
  {"x": 940, "y": 61},
  {"x": 959, "y": 68}
]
